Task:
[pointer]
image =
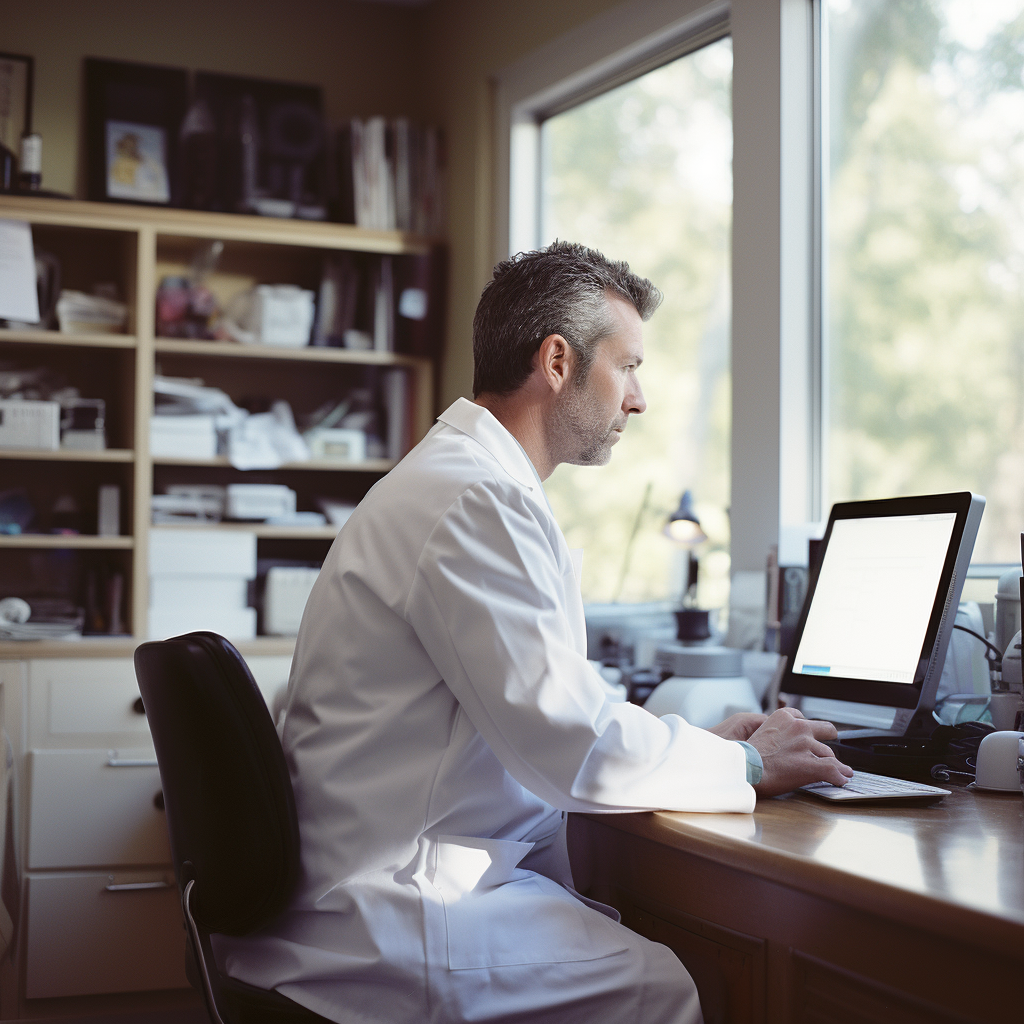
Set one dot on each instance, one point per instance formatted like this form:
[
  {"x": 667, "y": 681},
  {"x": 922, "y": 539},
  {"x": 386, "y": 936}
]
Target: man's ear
[{"x": 554, "y": 360}]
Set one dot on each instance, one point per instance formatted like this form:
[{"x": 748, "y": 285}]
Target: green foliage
[
  {"x": 643, "y": 174},
  {"x": 926, "y": 263}
]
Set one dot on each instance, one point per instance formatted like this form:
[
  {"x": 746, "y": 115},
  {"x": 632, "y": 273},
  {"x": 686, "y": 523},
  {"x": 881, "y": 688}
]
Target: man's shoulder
[{"x": 443, "y": 466}]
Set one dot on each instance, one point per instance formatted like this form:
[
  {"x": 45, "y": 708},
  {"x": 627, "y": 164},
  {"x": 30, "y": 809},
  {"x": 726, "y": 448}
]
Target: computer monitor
[{"x": 880, "y": 606}]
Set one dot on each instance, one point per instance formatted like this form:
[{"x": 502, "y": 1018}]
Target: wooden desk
[{"x": 807, "y": 912}]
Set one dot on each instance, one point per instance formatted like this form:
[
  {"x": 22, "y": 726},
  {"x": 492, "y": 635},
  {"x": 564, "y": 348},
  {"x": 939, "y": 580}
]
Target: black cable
[{"x": 998, "y": 654}]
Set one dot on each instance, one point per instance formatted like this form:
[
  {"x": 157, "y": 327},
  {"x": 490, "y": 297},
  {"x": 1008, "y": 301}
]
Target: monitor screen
[
  {"x": 873, "y": 628},
  {"x": 874, "y": 598}
]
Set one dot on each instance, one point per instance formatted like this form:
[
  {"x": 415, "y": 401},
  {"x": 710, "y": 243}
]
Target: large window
[
  {"x": 643, "y": 173},
  {"x": 925, "y": 254}
]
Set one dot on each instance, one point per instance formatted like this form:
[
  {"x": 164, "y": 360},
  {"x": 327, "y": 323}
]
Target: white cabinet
[
  {"x": 88, "y": 702},
  {"x": 103, "y": 932},
  {"x": 99, "y": 910},
  {"x": 95, "y": 807}
]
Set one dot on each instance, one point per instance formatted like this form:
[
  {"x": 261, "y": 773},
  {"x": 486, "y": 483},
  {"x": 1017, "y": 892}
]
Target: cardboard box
[
  {"x": 233, "y": 623},
  {"x": 189, "y": 552},
  {"x": 172, "y": 592},
  {"x": 284, "y": 598},
  {"x": 182, "y": 437},
  {"x": 259, "y": 501},
  {"x": 26, "y": 424}
]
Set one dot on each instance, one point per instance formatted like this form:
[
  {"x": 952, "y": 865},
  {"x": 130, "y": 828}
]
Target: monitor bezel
[{"x": 872, "y": 691}]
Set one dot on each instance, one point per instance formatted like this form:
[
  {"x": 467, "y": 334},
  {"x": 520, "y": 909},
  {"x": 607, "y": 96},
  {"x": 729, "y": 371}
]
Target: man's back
[{"x": 441, "y": 717}]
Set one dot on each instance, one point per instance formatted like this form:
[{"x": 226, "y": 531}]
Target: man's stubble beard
[{"x": 582, "y": 437}]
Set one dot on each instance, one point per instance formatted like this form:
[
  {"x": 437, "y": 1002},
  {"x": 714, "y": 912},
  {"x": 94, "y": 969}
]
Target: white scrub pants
[{"x": 644, "y": 984}]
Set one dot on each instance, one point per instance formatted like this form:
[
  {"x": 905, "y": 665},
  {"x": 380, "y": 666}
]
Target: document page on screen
[{"x": 874, "y": 597}]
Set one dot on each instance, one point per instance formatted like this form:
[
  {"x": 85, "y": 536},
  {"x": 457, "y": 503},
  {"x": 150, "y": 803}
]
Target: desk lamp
[{"x": 683, "y": 527}]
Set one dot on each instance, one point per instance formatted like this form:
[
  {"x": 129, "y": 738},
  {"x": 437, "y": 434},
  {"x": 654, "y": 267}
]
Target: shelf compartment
[
  {"x": 93, "y": 256},
  {"x": 311, "y": 353},
  {"x": 60, "y": 338},
  {"x": 68, "y": 455},
  {"x": 107, "y": 373},
  {"x": 79, "y": 541}
]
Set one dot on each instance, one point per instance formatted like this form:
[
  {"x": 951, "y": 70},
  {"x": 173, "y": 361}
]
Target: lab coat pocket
[{"x": 500, "y": 915}]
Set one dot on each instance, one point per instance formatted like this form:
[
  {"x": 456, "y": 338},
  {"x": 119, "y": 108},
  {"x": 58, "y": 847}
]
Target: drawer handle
[
  {"x": 134, "y": 886},
  {"x": 132, "y": 762}
]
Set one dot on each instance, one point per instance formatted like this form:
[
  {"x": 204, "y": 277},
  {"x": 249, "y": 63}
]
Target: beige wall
[
  {"x": 362, "y": 55},
  {"x": 467, "y": 42},
  {"x": 434, "y": 62}
]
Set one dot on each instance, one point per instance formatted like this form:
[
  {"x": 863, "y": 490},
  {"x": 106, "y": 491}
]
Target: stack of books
[{"x": 389, "y": 175}]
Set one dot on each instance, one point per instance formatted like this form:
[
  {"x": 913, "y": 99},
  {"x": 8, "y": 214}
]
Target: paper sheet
[{"x": 18, "y": 298}]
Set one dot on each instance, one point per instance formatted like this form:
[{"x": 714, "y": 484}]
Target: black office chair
[{"x": 230, "y": 810}]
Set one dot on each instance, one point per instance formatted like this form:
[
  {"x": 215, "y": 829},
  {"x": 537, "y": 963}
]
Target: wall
[
  {"x": 468, "y": 42},
  {"x": 362, "y": 54}
]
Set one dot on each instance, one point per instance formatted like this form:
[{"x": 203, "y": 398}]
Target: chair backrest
[{"x": 227, "y": 792}]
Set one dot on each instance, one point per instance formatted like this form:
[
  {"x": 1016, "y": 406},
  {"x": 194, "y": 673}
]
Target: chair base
[
  {"x": 248, "y": 1005},
  {"x": 229, "y": 1001}
]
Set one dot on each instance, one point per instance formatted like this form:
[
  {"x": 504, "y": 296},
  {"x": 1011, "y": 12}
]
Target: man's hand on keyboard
[
  {"x": 794, "y": 753},
  {"x": 740, "y": 726}
]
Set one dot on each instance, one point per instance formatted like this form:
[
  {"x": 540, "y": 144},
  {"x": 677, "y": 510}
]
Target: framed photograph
[
  {"x": 137, "y": 163},
  {"x": 15, "y": 99},
  {"x": 133, "y": 119}
]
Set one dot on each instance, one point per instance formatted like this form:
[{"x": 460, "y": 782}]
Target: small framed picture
[
  {"x": 133, "y": 119},
  {"x": 137, "y": 163},
  {"x": 15, "y": 99}
]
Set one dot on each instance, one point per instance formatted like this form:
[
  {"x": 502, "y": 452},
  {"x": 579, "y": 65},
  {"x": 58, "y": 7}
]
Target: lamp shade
[{"x": 683, "y": 526}]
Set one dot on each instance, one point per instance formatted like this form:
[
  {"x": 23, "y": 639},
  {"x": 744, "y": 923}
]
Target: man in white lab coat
[{"x": 442, "y": 717}]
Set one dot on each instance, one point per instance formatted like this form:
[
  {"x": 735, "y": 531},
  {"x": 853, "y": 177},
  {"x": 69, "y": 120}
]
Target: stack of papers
[{"x": 79, "y": 313}]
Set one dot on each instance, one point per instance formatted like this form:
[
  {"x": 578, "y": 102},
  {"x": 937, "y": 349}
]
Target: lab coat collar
[{"x": 481, "y": 425}]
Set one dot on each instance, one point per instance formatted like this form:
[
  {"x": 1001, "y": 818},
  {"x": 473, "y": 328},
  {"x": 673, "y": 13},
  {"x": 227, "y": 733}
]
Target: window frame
[{"x": 776, "y": 474}]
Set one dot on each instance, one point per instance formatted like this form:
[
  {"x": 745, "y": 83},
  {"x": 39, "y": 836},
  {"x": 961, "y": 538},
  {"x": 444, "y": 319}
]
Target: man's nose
[{"x": 634, "y": 401}]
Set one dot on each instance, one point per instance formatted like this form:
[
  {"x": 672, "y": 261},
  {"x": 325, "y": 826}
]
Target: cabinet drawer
[
  {"x": 93, "y": 807},
  {"x": 85, "y": 703},
  {"x": 84, "y": 938}
]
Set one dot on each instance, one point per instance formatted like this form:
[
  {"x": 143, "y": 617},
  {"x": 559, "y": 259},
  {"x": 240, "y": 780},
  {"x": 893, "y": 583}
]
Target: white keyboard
[{"x": 865, "y": 786}]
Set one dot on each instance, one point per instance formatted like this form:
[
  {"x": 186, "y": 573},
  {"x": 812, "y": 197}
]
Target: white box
[
  {"x": 183, "y": 437},
  {"x": 343, "y": 443},
  {"x": 190, "y": 552},
  {"x": 283, "y": 315},
  {"x": 233, "y": 623},
  {"x": 169, "y": 592},
  {"x": 285, "y": 597},
  {"x": 259, "y": 501},
  {"x": 26, "y": 424}
]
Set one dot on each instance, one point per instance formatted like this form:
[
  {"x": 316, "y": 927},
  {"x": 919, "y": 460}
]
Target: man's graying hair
[{"x": 557, "y": 290}]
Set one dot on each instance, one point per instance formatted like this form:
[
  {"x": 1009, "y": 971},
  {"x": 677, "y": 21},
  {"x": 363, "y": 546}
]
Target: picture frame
[
  {"x": 133, "y": 118},
  {"x": 285, "y": 172},
  {"x": 16, "y": 71}
]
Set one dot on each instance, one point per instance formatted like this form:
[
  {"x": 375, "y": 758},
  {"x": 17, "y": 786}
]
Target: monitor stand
[
  {"x": 863, "y": 720},
  {"x": 910, "y": 753}
]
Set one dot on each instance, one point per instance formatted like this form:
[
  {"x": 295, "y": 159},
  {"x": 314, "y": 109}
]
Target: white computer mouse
[{"x": 997, "y": 762}]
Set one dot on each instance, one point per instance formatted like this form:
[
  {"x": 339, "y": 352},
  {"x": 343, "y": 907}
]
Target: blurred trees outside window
[
  {"x": 644, "y": 174},
  {"x": 925, "y": 255}
]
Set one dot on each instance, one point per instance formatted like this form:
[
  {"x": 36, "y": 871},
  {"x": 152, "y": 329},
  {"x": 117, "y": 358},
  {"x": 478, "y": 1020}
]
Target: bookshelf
[{"x": 135, "y": 246}]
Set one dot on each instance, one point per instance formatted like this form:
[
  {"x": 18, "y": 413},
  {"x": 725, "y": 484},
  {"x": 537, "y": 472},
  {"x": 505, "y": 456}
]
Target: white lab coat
[{"x": 441, "y": 719}]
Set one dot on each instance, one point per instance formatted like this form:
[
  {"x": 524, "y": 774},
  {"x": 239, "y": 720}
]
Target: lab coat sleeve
[{"x": 488, "y": 604}]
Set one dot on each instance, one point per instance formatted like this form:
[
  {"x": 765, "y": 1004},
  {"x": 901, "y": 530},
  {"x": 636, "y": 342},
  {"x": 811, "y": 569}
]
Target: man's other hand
[
  {"x": 739, "y": 727},
  {"x": 794, "y": 753}
]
